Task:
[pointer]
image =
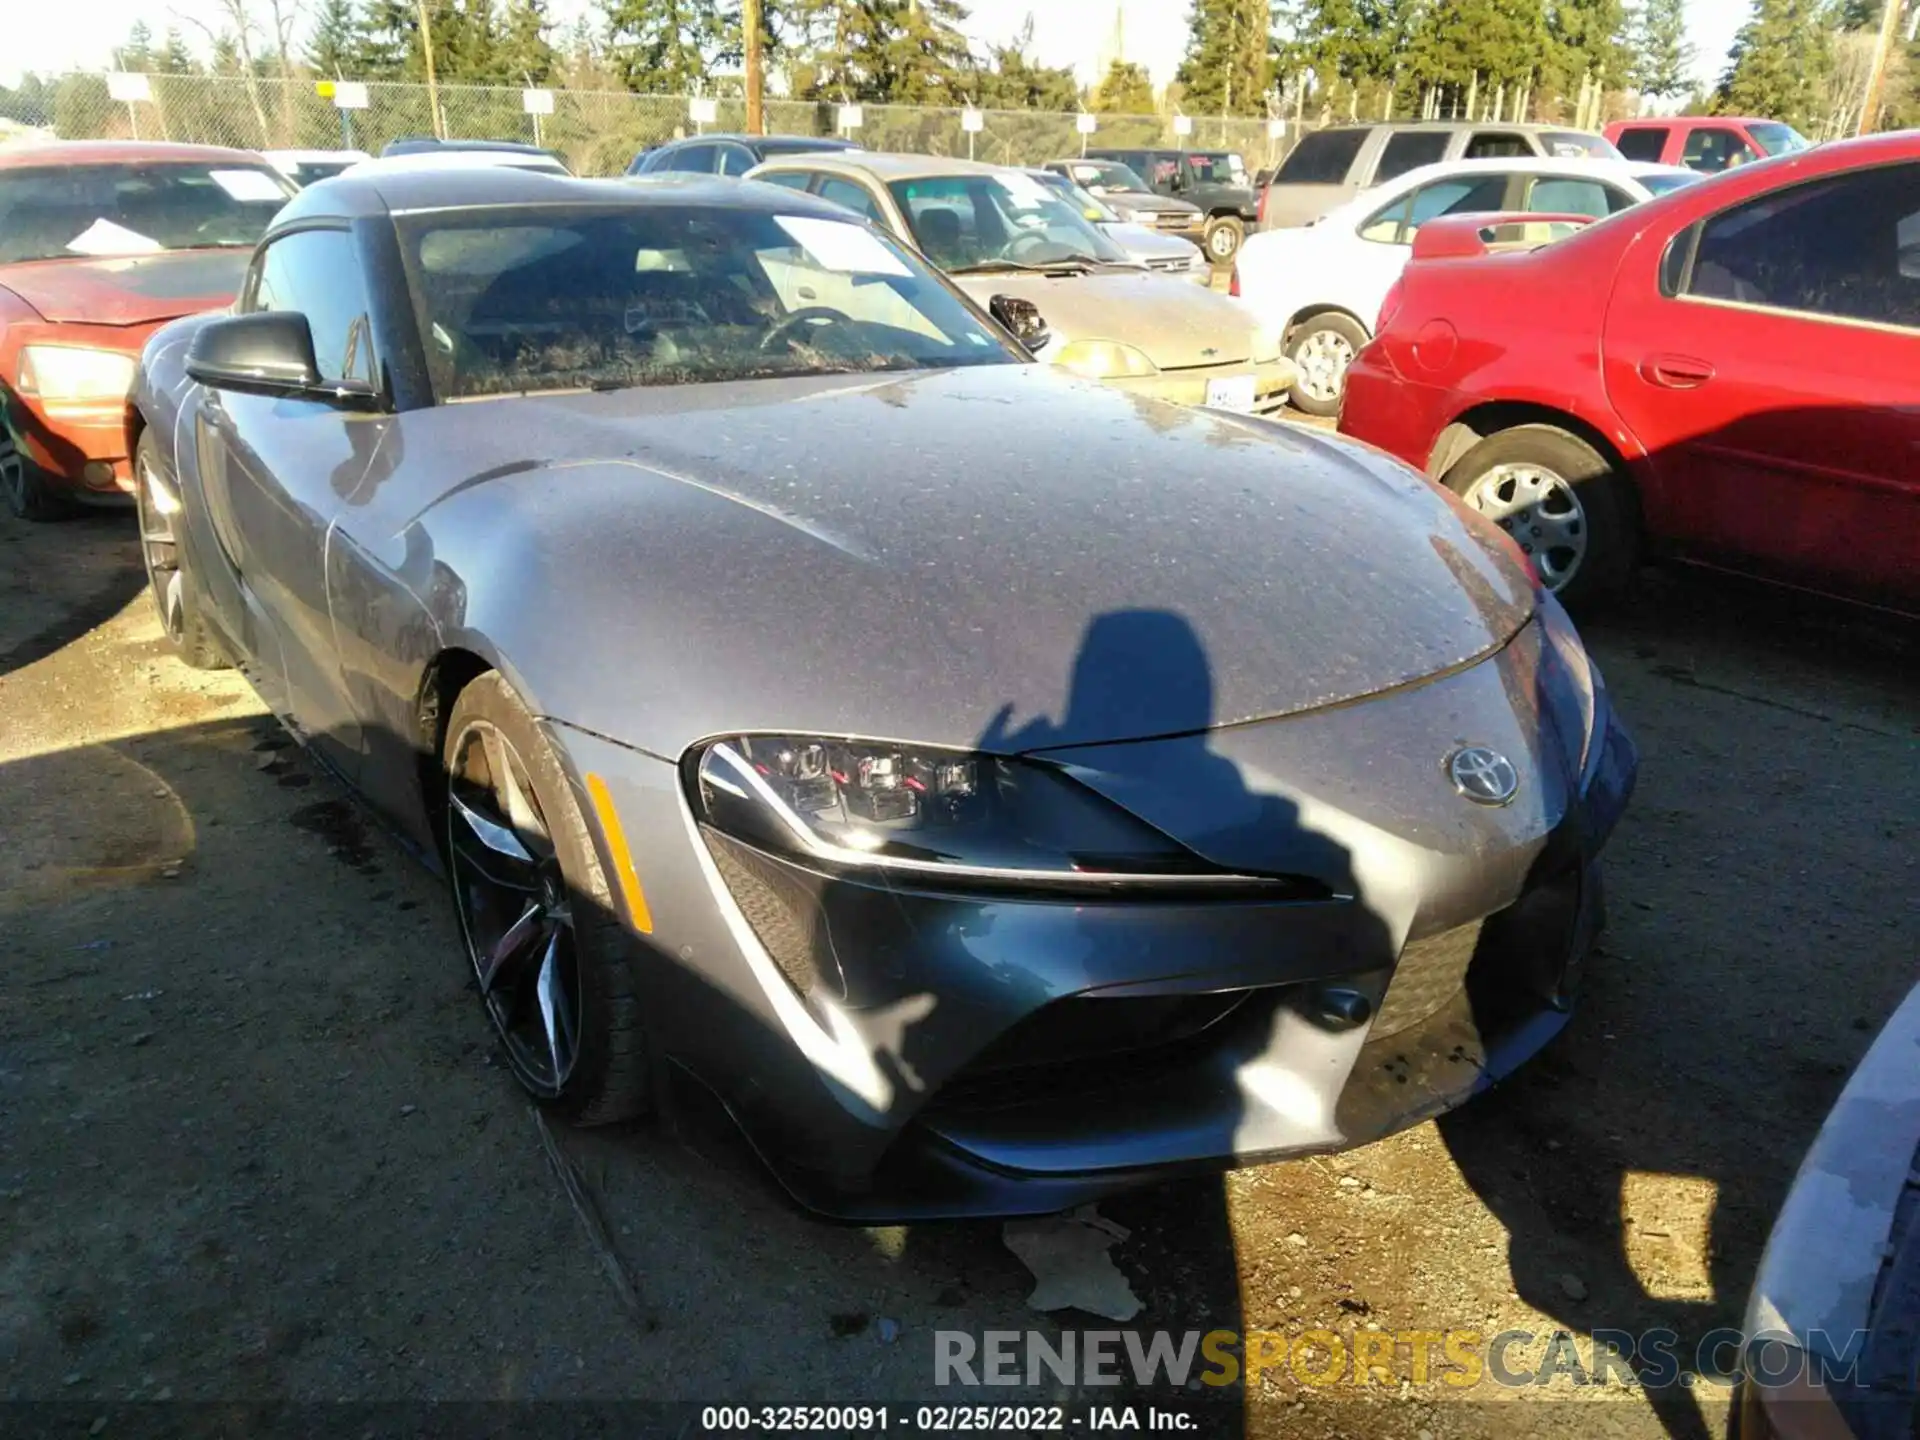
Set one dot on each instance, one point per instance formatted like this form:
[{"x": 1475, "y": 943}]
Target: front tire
[
  {"x": 1224, "y": 236},
  {"x": 176, "y": 595},
  {"x": 28, "y": 492},
  {"x": 1322, "y": 349},
  {"x": 1567, "y": 507},
  {"x": 552, "y": 958}
]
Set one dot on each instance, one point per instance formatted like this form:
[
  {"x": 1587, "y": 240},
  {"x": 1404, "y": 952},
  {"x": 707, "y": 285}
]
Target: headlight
[
  {"x": 935, "y": 816},
  {"x": 1590, "y": 691},
  {"x": 66, "y": 374},
  {"x": 1104, "y": 360}
]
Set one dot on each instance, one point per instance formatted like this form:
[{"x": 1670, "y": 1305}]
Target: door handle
[{"x": 1675, "y": 372}]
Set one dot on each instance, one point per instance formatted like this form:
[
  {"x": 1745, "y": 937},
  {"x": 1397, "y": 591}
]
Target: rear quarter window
[
  {"x": 1643, "y": 142},
  {"x": 1322, "y": 158},
  {"x": 1409, "y": 150}
]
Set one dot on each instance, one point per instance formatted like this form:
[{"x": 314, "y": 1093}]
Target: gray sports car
[{"x": 994, "y": 787}]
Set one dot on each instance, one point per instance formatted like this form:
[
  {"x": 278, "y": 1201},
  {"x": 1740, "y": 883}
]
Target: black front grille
[{"x": 1088, "y": 1045}]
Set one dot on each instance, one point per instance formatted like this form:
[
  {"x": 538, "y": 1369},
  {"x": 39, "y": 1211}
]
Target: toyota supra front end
[{"x": 995, "y": 788}]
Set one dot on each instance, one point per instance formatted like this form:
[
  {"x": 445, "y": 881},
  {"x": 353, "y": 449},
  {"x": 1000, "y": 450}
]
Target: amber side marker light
[{"x": 623, "y": 871}]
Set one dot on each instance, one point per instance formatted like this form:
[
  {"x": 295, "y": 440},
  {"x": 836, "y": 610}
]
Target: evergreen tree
[
  {"x": 902, "y": 52},
  {"x": 136, "y": 55},
  {"x": 1663, "y": 58},
  {"x": 1469, "y": 44},
  {"x": 1588, "y": 38},
  {"x": 1776, "y": 63},
  {"x": 662, "y": 46},
  {"x": 387, "y": 42},
  {"x": 1228, "y": 67},
  {"x": 174, "y": 57},
  {"x": 1126, "y": 89},
  {"x": 333, "y": 49},
  {"x": 525, "y": 53},
  {"x": 1013, "y": 80}
]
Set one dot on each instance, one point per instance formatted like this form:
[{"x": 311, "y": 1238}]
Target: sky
[{"x": 53, "y": 38}]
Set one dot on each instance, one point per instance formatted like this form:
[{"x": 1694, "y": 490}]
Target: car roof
[
  {"x": 739, "y": 137},
  {"x": 300, "y": 155},
  {"x": 455, "y": 160},
  {"x": 886, "y": 165},
  {"x": 124, "y": 152},
  {"x": 1525, "y": 127},
  {"x": 1600, "y": 166},
  {"x": 373, "y": 189},
  {"x": 428, "y": 145},
  {"x": 1685, "y": 122}
]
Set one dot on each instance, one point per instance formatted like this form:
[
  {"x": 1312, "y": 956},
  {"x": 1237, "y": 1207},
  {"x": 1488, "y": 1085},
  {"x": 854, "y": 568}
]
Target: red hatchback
[
  {"x": 101, "y": 243},
  {"x": 1729, "y": 374}
]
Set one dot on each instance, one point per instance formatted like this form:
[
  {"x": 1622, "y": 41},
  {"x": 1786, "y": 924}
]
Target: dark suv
[
  {"x": 1214, "y": 180},
  {"x": 727, "y": 154}
]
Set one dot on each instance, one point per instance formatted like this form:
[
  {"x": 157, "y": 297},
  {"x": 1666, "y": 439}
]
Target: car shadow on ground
[
  {"x": 102, "y": 547},
  {"x": 1607, "y": 1172}
]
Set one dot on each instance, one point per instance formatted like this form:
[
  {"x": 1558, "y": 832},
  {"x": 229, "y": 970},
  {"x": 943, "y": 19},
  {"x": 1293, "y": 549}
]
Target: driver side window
[{"x": 317, "y": 273}]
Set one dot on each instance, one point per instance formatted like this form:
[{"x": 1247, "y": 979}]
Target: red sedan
[
  {"x": 101, "y": 243},
  {"x": 1729, "y": 374}
]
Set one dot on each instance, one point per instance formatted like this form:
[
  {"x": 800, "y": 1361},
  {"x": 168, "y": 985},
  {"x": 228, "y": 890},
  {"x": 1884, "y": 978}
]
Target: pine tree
[
  {"x": 903, "y": 52},
  {"x": 525, "y": 54},
  {"x": 662, "y": 46},
  {"x": 174, "y": 57},
  {"x": 1013, "y": 80},
  {"x": 387, "y": 42},
  {"x": 1227, "y": 68},
  {"x": 1587, "y": 38},
  {"x": 1776, "y": 63},
  {"x": 333, "y": 48},
  {"x": 1126, "y": 89},
  {"x": 137, "y": 54},
  {"x": 1466, "y": 45},
  {"x": 1663, "y": 58}
]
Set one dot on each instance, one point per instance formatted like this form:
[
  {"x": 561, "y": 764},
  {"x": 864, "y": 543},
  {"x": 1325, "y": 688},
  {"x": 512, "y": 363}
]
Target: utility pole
[
  {"x": 433, "y": 88},
  {"x": 1882, "y": 53},
  {"x": 756, "y": 82}
]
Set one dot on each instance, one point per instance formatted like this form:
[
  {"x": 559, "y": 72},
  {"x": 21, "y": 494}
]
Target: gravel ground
[{"x": 255, "y": 1145}]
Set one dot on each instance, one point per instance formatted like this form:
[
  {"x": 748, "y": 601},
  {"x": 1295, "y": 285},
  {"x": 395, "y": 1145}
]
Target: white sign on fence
[
  {"x": 349, "y": 95},
  {"x": 851, "y": 117},
  {"x": 537, "y": 102},
  {"x": 122, "y": 86},
  {"x": 1085, "y": 123},
  {"x": 972, "y": 121},
  {"x": 1276, "y": 129},
  {"x": 1183, "y": 124},
  {"x": 703, "y": 110}
]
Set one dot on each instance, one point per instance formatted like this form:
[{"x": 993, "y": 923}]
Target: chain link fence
[{"x": 598, "y": 132}]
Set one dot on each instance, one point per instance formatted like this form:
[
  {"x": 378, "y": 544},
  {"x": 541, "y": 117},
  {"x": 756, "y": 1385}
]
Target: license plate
[{"x": 1233, "y": 393}]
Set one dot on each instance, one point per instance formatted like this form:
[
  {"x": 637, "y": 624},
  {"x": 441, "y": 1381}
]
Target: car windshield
[
  {"x": 1667, "y": 184},
  {"x": 997, "y": 222},
  {"x": 1109, "y": 174},
  {"x": 1218, "y": 168},
  {"x": 134, "y": 209},
  {"x": 1566, "y": 144},
  {"x": 1090, "y": 204},
  {"x": 1777, "y": 139},
  {"x": 562, "y": 298}
]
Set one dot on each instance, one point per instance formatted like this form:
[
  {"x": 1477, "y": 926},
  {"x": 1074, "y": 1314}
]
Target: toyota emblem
[{"x": 1486, "y": 777}]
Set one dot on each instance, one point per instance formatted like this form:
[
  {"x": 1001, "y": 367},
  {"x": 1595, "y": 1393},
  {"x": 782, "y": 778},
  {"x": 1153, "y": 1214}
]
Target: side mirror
[
  {"x": 1177, "y": 181},
  {"x": 1022, "y": 317},
  {"x": 269, "y": 352}
]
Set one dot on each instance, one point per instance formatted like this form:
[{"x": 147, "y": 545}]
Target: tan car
[{"x": 1004, "y": 236}]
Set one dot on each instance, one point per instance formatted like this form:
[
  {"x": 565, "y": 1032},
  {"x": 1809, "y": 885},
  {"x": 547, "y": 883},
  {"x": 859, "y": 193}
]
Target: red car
[
  {"x": 1710, "y": 143},
  {"x": 1729, "y": 374},
  {"x": 101, "y": 243}
]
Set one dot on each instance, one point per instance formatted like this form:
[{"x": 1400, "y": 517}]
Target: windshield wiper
[{"x": 1078, "y": 264}]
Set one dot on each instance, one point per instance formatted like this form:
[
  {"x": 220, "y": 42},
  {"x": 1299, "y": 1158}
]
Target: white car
[{"x": 1322, "y": 284}]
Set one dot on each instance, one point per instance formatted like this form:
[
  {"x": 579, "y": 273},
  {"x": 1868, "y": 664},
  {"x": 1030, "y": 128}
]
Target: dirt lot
[{"x": 254, "y": 1144}]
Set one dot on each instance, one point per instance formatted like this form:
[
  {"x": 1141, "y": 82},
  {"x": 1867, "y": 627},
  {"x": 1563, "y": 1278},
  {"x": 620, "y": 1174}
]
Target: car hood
[
  {"x": 128, "y": 289},
  {"x": 1142, "y": 242},
  {"x": 915, "y": 556},
  {"x": 1176, "y": 323}
]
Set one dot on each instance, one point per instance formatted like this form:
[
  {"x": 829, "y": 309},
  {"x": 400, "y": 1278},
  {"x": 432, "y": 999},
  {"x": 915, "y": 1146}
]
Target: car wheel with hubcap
[
  {"x": 552, "y": 959},
  {"x": 1224, "y": 234},
  {"x": 1565, "y": 505},
  {"x": 176, "y": 599},
  {"x": 1321, "y": 350}
]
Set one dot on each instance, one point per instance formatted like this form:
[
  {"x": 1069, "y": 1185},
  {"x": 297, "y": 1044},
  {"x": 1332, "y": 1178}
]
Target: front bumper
[
  {"x": 84, "y": 449},
  {"x": 899, "y": 1053},
  {"x": 1271, "y": 382}
]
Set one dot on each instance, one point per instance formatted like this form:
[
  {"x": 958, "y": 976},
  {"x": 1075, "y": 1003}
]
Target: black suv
[
  {"x": 1214, "y": 180},
  {"x": 728, "y": 154}
]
